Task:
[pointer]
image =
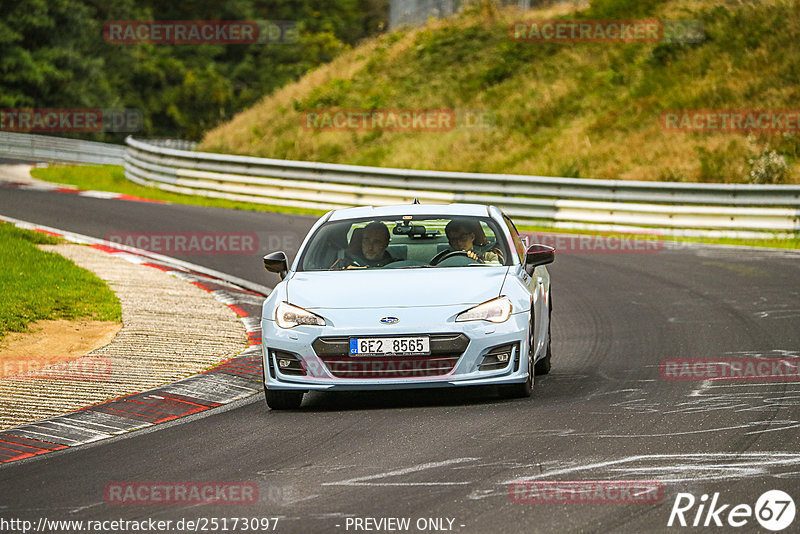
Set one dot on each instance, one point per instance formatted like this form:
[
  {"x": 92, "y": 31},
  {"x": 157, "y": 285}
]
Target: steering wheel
[{"x": 439, "y": 258}]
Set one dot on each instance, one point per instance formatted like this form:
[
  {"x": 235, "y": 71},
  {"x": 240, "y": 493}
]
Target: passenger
[
  {"x": 354, "y": 247},
  {"x": 468, "y": 236},
  {"x": 374, "y": 241}
]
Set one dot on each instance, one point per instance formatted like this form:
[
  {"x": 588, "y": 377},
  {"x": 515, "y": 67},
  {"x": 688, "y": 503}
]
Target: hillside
[{"x": 578, "y": 109}]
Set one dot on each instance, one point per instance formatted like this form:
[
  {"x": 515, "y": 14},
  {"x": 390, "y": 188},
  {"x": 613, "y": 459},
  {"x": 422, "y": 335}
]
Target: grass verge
[
  {"x": 38, "y": 285},
  {"x": 112, "y": 178}
]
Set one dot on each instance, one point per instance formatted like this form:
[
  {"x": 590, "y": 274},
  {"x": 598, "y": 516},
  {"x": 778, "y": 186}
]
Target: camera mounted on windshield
[{"x": 414, "y": 231}]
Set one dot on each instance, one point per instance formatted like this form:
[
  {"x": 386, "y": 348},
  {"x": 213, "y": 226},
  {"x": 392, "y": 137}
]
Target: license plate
[{"x": 390, "y": 346}]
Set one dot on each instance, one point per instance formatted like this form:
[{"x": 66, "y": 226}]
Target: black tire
[
  {"x": 283, "y": 400},
  {"x": 523, "y": 389},
  {"x": 542, "y": 367},
  {"x": 518, "y": 391}
]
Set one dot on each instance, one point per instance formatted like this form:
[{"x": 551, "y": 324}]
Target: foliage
[
  {"x": 769, "y": 167},
  {"x": 53, "y": 55}
]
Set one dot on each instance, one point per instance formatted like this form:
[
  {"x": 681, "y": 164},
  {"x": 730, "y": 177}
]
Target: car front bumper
[{"x": 313, "y": 371}]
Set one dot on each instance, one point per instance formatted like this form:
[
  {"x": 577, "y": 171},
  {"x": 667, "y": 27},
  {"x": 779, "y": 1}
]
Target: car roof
[{"x": 447, "y": 210}]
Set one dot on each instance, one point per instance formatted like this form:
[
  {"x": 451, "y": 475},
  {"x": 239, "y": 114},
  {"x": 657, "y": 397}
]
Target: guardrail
[
  {"x": 59, "y": 149},
  {"x": 714, "y": 210}
]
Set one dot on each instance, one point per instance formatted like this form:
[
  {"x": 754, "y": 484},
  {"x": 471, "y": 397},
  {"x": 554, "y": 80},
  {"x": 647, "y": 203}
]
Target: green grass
[
  {"x": 37, "y": 285},
  {"x": 112, "y": 178}
]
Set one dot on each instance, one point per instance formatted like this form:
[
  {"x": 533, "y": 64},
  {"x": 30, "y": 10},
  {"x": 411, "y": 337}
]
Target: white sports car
[{"x": 412, "y": 296}]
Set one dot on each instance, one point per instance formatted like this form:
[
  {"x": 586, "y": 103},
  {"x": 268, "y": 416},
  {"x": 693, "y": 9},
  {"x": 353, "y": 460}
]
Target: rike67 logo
[{"x": 774, "y": 510}]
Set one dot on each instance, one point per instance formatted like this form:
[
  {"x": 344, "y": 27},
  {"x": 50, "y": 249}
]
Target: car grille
[{"x": 446, "y": 349}]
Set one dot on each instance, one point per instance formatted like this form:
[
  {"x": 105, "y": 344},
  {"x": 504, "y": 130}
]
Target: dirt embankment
[{"x": 53, "y": 342}]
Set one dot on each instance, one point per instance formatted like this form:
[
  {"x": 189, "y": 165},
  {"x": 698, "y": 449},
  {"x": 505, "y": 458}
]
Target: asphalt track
[{"x": 604, "y": 412}]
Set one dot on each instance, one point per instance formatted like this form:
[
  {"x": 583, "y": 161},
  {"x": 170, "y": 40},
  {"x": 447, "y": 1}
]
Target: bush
[{"x": 769, "y": 167}]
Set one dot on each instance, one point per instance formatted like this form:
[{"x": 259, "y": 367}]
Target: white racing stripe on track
[
  {"x": 220, "y": 388},
  {"x": 663, "y": 468},
  {"x": 99, "y": 194},
  {"x": 85, "y": 433},
  {"x": 365, "y": 481},
  {"x": 684, "y": 467},
  {"x": 104, "y": 422}
]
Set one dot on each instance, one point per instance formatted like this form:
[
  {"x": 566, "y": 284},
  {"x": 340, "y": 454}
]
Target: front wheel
[
  {"x": 542, "y": 367},
  {"x": 522, "y": 390},
  {"x": 283, "y": 400},
  {"x": 525, "y": 389}
]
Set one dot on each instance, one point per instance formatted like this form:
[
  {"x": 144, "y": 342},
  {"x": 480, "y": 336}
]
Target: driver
[
  {"x": 374, "y": 241},
  {"x": 468, "y": 236}
]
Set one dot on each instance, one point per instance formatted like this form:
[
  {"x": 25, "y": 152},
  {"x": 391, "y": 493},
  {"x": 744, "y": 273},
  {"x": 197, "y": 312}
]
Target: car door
[{"x": 538, "y": 285}]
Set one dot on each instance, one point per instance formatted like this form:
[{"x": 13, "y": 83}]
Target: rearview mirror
[
  {"x": 276, "y": 262},
  {"x": 537, "y": 255},
  {"x": 411, "y": 230}
]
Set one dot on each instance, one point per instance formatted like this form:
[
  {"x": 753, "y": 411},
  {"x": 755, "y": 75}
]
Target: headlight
[
  {"x": 494, "y": 311},
  {"x": 289, "y": 316}
]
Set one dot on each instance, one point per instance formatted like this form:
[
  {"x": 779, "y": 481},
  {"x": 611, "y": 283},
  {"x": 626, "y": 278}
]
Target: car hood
[{"x": 395, "y": 287}]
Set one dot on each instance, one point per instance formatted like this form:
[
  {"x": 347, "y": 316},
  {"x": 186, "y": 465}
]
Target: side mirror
[
  {"x": 537, "y": 255},
  {"x": 276, "y": 262}
]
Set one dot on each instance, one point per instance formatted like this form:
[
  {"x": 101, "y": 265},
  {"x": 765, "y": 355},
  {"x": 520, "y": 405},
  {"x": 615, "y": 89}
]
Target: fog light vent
[
  {"x": 288, "y": 363},
  {"x": 499, "y": 357}
]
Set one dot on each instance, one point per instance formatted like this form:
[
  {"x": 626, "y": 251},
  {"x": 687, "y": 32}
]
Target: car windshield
[{"x": 405, "y": 243}]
